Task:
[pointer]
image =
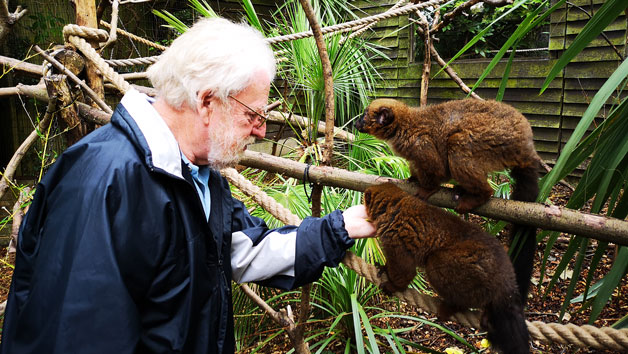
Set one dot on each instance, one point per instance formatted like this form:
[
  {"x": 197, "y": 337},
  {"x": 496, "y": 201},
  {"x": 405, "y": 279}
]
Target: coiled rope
[
  {"x": 75, "y": 35},
  {"x": 581, "y": 336}
]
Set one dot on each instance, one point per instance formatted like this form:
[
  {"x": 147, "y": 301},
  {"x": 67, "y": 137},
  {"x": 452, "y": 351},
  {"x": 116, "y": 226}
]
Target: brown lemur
[
  {"x": 466, "y": 266},
  {"x": 464, "y": 140}
]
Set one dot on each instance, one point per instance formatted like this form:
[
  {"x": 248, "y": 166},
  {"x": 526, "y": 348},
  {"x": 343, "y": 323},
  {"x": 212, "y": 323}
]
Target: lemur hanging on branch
[
  {"x": 464, "y": 140},
  {"x": 467, "y": 267}
]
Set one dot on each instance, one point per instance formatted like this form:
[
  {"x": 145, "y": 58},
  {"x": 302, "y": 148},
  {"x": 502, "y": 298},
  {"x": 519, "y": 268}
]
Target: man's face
[{"x": 236, "y": 123}]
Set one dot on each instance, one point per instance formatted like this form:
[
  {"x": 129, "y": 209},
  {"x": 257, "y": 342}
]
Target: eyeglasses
[{"x": 259, "y": 117}]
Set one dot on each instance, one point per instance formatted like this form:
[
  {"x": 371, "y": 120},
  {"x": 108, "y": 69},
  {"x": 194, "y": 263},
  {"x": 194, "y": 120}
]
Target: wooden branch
[
  {"x": 448, "y": 17},
  {"x": 14, "y": 64},
  {"x": 8, "y": 19},
  {"x": 544, "y": 216},
  {"x": 86, "y": 111},
  {"x": 9, "y": 91},
  {"x": 93, "y": 95},
  {"x": 57, "y": 86},
  {"x": 300, "y": 345},
  {"x": 18, "y": 215},
  {"x": 448, "y": 70},
  {"x": 9, "y": 171},
  {"x": 452, "y": 73},
  {"x": 328, "y": 81},
  {"x": 284, "y": 318},
  {"x": 427, "y": 61}
]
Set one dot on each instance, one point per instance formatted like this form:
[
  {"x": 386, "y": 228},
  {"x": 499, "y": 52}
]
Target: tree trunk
[{"x": 86, "y": 16}]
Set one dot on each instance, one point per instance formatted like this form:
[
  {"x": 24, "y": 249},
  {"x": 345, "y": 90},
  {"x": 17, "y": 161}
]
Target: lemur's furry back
[
  {"x": 463, "y": 140},
  {"x": 467, "y": 267}
]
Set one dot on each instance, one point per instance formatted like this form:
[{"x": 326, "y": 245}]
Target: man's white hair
[{"x": 215, "y": 54}]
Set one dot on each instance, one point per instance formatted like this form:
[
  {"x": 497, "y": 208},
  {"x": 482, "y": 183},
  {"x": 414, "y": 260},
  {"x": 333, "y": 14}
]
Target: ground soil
[{"x": 541, "y": 307}]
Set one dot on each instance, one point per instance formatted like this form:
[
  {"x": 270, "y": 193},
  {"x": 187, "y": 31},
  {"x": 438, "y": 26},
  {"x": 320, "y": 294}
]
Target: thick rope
[
  {"x": 348, "y": 26},
  {"x": 581, "y": 336},
  {"x": 365, "y": 28},
  {"x": 132, "y": 61},
  {"x": 276, "y": 209},
  {"x": 73, "y": 34}
]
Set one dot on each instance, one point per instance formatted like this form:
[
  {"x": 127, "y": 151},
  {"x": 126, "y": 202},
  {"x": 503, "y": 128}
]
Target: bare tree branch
[
  {"x": 8, "y": 19},
  {"x": 18, "y": 215},
  {"x": 14, "y": 64},
  {"x": 93, "y": 95},
  {"x": 448, "y": 70},
  {"x": 546, "y": 217},
  {"x": 427, "y": 61}
]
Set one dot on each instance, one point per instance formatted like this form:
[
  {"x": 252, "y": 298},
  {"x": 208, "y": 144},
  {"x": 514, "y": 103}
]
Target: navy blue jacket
[{"x": 115, "y": 254}]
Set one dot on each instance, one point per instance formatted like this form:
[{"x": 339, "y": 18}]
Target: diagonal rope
[
  {"x": 75, "y": 35},
  {"x": 134, "y": 37},
  {"x": 349, "y": 26},
  {"x": 581, "y": 336}
]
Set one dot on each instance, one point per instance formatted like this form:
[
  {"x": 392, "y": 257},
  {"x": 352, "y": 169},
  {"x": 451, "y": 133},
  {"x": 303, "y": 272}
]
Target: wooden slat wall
[{"x": 554, "y": 114}]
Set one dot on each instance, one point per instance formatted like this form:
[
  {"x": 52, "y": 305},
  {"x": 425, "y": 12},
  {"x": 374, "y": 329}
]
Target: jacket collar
[{"x": 154, "y": 136}]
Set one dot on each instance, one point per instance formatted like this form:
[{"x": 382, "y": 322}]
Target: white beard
[{"x": 225, "y": 150}]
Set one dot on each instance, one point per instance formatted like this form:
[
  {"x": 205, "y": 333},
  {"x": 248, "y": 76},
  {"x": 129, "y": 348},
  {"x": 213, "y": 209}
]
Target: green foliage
[
  {"x": 604, "y": 178},
  {"x": 45, "y": 26},
  {"x": 353, "y": 74},
  {"x": 492, "y": 26}
]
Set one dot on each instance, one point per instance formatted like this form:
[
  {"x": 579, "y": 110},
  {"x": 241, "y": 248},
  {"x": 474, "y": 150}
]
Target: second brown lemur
[
  {"x": 467, "y": 267},
  {"x": 463, "y": 140}
]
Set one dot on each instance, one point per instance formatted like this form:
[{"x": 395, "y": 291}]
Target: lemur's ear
[{"x": 384, "y": 116}]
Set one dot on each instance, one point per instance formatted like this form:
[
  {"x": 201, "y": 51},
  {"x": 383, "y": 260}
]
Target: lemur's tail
[{"x": 523, "y": 238}]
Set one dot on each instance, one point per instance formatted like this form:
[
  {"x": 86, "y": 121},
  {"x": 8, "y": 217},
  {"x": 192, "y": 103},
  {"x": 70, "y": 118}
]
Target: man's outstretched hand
[{"x": 357, "y": 223}]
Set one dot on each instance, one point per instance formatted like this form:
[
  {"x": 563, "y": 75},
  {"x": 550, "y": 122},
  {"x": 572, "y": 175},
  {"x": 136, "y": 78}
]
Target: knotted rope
[
  {"x": 581, "y": 336},
  {"x": 75, "y": 35}
]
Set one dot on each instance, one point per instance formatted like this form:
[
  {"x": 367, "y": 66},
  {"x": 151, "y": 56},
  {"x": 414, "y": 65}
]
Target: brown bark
[
  {"x": 21, "y": 65},
  {"x": 57, "y": 86},
  {"x": 18, "y": 215},
  {"x": 91, "y": 93},
  {"x": 328, "y": 80},
  {"x": 86, "y": 16},
  {"x": 8, "y": 19},
  {"x": 427, "y": 61}
]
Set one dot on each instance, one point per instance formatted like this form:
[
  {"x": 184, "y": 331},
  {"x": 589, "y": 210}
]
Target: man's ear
[{"x": 205, "y": 104}]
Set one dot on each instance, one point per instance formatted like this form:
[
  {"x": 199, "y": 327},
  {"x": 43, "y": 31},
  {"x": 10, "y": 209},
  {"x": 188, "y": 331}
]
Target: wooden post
[
  {"x": 57, "y": 86},
  {"x": 86, "y": 16}
]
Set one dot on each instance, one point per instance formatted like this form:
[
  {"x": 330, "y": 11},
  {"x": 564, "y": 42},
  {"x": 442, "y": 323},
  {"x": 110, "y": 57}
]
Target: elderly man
[{"x": 133, "y": 238}]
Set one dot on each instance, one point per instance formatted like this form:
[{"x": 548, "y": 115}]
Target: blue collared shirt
[{"x": 200, "y": 174}]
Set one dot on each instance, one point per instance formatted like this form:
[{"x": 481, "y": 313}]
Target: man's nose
[{"x": 260, "y": 132}]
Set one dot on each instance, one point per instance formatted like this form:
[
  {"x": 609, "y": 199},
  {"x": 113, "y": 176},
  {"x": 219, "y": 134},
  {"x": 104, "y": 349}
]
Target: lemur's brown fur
[
  {"x": 467, "y": 267},
  {"x": 464, "y": 140}
]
